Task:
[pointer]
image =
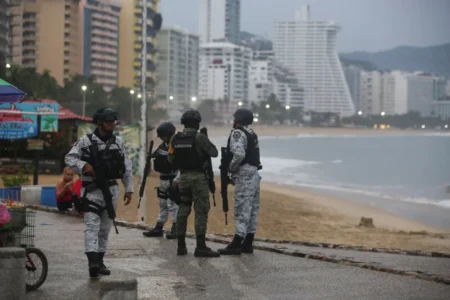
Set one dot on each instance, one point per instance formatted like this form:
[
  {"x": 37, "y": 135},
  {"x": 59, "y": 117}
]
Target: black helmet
[
  {"x": 243, "y": 116},
  {"x": 105, "y": 114},
  {"x": 191, "y": 114},
  {"x": 166, "y": 129}
]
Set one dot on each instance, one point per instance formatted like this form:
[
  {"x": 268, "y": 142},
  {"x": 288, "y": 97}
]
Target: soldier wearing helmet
[
  {"x": 188, "y": 151},
  {"x": 114, "y": 160},
  {"x": 245, "y": 163},
  {"x": 166, "y": 176}
]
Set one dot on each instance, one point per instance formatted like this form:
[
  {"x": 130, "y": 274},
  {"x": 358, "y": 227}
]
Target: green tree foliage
[
  {"x": 206, "y": 109},
  {"x": 120, "y": 99},
  {"x": 272, "y": 110},
  {"x": 409, "y": 120},
  {"x": 45, "y": 86},
  {"x": 34, "y": 84}
]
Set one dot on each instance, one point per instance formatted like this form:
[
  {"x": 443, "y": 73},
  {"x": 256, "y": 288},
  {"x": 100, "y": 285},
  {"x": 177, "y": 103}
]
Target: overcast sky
[{"x": 370, "y": 25}]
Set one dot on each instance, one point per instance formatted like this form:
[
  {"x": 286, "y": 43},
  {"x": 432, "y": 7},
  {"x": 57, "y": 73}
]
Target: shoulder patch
[
  {"x": 236, "y": 134},
  {"x": 171, "y": 150}
]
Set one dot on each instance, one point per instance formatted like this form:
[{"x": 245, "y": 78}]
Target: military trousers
[
  {"x": 246, "y": 201},
  {"x": 97, "y": 228},
  {"x": 166, "y": 205},
  {"x": 194, "y": 189}
]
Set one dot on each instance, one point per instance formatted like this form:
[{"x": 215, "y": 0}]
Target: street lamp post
[
  {"x": 132, "y": 106},
  {"x": 194, "y": 99},
  {"x": 8, "y": 66},
  {"x": 267, "y": 106},
  {"x": 240, "y": 103},
  {"x": 84, "y": 88}
]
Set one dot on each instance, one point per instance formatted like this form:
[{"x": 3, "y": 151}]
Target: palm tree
[{"x": 49, "y": 123}]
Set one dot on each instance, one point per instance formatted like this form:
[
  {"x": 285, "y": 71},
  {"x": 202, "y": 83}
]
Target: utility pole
[
  {"x": 156, "y": 21},
  {"x": 143, "y": 123}
]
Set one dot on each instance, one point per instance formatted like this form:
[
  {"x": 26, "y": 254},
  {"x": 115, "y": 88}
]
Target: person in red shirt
[{"x": 65, "y": 190}]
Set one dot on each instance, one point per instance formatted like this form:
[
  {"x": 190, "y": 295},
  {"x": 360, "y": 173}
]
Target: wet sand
[{"x": 296, "y": 214}]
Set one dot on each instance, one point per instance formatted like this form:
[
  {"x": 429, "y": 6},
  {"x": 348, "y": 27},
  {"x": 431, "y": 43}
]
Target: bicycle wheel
[{"x": 37, "y": 268}]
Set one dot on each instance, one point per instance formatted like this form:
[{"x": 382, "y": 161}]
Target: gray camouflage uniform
[
  {"x": 166, "y": 206},
  {"x": 247, "y": 185},
  {"x": 97, "y": 228}
]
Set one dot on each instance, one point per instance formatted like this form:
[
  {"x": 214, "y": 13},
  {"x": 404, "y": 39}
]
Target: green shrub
[{"x": 18, "y": 179}]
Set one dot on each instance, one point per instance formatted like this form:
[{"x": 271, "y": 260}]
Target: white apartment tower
[
  {"x": 371, "y": 93},
  {"x": 177, "y": 68},
  {"x": 219, "y": 20},
  {"x": 388, "y": 93},
  {"x": 267, "y": 77},
  {"x": 224, "y": 73},
  {"x": 308, "y": 49},
  {"x": 260, "y": 80}
]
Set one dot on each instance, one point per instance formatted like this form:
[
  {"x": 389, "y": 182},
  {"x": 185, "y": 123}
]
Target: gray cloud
[{"x": 370, "y": 25}]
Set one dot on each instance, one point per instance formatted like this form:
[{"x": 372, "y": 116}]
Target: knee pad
[{"x": 162, "y": 194}]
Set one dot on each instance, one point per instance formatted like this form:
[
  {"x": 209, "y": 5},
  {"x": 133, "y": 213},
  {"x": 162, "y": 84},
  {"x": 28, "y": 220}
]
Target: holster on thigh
[
  {"x": 90, "y": 206},
  {"x": 162, "y": 194}
]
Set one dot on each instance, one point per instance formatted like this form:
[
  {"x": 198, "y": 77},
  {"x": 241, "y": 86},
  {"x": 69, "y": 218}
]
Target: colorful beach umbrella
[{"x": 9, "y": 93}]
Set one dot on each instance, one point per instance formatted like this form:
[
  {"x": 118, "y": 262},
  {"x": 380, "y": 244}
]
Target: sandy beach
[{"x": 295, "y": 214}]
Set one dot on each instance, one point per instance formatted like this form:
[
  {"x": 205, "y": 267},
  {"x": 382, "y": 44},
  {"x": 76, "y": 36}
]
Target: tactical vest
[
  {"x": 252, "y": 156},
  {"x": 186, "y": 156},
  {"x": 161, "y": 164},
  {"x": 112, "y": 159}
]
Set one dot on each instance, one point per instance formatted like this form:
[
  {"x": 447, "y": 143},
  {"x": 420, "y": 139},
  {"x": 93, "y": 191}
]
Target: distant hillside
[
  {"x": 433, "y": 59},
  {"x": 364, "y": 65},
  {"x": 254, "y": 42}
]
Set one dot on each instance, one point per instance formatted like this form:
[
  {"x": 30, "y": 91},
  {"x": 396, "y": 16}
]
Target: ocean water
[{"x": 405, "y": 174}]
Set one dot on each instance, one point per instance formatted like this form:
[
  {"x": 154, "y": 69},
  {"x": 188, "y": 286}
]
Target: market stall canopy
[{"x": 9, "y": 93}]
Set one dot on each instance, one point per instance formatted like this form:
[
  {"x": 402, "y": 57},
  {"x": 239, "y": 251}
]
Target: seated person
[{"x": 65, "y": 188}]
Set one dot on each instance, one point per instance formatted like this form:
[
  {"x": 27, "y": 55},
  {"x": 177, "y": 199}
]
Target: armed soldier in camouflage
[
  {"x": 187, "y": 151},
  {"x": 245, "y": 163},
  {"x": 166, "y": 175},
  {"x": 114, "y": 159}
]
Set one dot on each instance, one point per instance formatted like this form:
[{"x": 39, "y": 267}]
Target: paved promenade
[{"x": 163, "y": 275}]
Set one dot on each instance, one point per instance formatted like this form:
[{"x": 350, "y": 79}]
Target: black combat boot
[
  {"x": 94, "y": 266},
  {"x": 181, "y": 250},
  {"x": 233, "y": 248},
  {"x": 202, "y": 251},
  {"x": 103, "y": 269},
  {"x": 173, "y": 232},
  {"x": 247, "y": 244},
  {"x": 155, "y": 232}
]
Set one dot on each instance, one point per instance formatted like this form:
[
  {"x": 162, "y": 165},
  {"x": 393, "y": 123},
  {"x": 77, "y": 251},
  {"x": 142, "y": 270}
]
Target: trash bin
[
  {"x": 31, "y": 194},
  {"x": 48, "y": 196}
]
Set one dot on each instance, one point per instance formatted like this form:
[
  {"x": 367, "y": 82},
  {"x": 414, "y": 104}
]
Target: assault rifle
[
  {"x": 224, "y": 180},
  {"x": 147, "y": 170},
  {"x": 100, "y": 180},
  {"x": 207, "y": 166}
]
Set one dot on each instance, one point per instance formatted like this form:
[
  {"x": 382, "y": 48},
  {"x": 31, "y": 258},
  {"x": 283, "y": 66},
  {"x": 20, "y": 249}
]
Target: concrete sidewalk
[
  {"x": 430, "y": 266},
  {"x": 163, "y": 275}
]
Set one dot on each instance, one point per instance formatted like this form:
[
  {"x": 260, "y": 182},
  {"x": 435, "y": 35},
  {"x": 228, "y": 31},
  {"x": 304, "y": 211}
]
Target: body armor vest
[
  {"x": 112, "y": 159},
  {"x": 186, "y": 155},
  {"x": 252, "y": 156},
  {"x": 161, "y": 164}
]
